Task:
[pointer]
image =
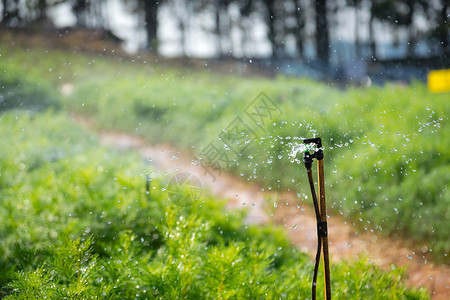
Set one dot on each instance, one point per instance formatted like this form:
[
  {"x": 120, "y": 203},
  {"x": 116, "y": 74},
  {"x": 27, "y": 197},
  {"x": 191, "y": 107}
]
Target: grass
[
  {"x": 76, "y": 223},
  {"x": 387, "y": 166}
]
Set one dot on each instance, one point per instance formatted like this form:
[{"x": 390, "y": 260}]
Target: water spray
[{"x": 312, "y": 149}]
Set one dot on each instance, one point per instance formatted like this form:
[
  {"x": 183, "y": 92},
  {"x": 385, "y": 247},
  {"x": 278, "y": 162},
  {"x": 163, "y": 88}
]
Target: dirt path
[{"x": 345, "y": 241}]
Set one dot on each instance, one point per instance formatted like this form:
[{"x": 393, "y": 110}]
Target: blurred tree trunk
[
  {"x": 4, "y": 11},
  {"x": 223, "y": 28},
  {"x": 444, "y": 28},
  {"x": 218, "y": 10},
  {"x": 270, "y": 6},
  {"x": 182, "y": 29},
  {"x": 79, "y": 8},
  {"x": 357, "y": 43},
  {"x": 300, "y": 20},
  {"x": 151, "y": 24},
  {"x": 372, "y": 41},
  {"x": 410, "y": 24},
  {"x": 322, "y": 35},
  {"x": 10, "y": 12},
  {"x": 88, "y": 13},
  {"x": 245, "y": 25},
  {"x": 42, "y": 10}
]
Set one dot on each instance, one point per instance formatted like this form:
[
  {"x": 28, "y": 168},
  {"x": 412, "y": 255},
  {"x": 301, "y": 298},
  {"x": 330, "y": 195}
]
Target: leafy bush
[
  {"x": 18, "y": 90},
  {"x": 399, "y": 168},
  {"x": 78, "y": 224},
  {"x": 385, "y": 147},
  {"x": 381, "y": 143}
]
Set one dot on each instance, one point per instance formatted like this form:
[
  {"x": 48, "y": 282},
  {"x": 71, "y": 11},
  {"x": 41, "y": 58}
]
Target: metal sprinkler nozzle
[
  {"x": 317, "y": 152},
  {"x": 307, "y": 160}
]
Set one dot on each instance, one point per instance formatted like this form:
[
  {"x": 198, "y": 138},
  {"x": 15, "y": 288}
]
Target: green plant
[
  {"x": 380, "y": 143},
  {"x": 18, "y": 90},
  {"x": 79, "y": 225}
]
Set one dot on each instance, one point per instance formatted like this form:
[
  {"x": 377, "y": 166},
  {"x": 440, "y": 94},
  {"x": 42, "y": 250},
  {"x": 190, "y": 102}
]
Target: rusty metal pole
[{"x": 323, "y": 219}]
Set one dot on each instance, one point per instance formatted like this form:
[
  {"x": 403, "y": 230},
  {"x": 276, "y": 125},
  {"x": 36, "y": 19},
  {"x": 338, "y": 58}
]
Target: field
[
  {"x": 386, "y": 162},
  {"x": 386, "y": 147}
]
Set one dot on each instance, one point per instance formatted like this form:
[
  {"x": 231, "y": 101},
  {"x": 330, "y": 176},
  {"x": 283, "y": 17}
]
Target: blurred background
[{"x": 345, "y": 39}]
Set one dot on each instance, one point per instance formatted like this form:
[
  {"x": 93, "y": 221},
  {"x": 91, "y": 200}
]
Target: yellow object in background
[{"x": 439, "y": 81}]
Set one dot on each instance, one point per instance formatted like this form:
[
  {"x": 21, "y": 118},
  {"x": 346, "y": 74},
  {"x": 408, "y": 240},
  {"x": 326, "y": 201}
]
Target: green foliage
[
  {"x": 18, "y": 90},
  {"x": 371, "y": 284},
  {"x": 70, "y": 272},
  {"x": 385, "y": 147},
  {"x": 380, "y": 143},
  {"x": 79, "y": 225},
  {"x": 399, "y": 168}
]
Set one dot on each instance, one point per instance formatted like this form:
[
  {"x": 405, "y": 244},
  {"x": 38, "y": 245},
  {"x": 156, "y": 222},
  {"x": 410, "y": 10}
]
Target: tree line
[{"x": 297, "y": 20}]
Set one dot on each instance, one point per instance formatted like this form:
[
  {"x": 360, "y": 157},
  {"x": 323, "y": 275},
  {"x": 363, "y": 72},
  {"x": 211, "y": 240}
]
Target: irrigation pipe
[{"x": 309, "y": 153}]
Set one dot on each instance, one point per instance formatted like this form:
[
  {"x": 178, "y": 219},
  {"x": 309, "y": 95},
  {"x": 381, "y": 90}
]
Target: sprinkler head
[
  {"x": 307, "y": 160},
  {"x": 311, "y": 148},
  {"x": 317, "y": 141},
  {"x": 318, "y": 153}
]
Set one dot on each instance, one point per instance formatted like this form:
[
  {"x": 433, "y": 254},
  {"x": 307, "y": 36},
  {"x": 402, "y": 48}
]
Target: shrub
[
  {"x": 19, "y": 90},
  {"x": 81, "y": 226}
]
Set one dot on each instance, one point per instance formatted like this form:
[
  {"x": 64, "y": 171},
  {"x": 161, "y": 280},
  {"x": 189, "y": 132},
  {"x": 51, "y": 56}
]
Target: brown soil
[
  {"x": 94, "y": 41},
  {"x": 345, "y": 241}
]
